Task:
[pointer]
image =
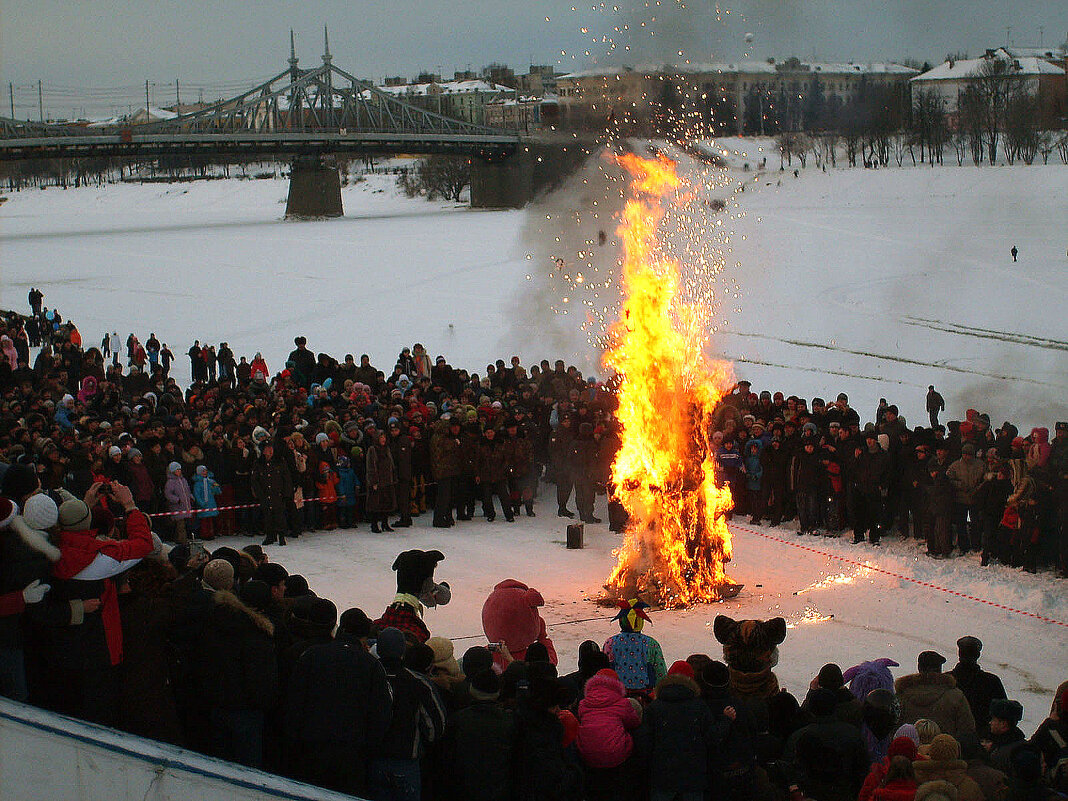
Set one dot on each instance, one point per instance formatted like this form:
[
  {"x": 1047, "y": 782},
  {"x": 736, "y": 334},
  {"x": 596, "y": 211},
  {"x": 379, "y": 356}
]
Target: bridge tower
[{"x": 314, "y": 186}]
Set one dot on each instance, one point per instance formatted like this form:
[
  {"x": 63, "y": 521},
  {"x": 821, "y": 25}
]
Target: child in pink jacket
[{"x": 606, "y": 718}]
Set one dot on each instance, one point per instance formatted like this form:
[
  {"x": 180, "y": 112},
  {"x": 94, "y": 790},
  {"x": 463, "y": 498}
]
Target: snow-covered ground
[
  {"x": 836, "y": 611},
  {"x": 876, "y": 283}
]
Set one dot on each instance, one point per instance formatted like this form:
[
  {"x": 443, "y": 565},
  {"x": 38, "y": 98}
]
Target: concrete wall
[
  {"x": 47, "y": 756},
  {"x": 314, "y": 191},
  {"x": 537, "y": 167}
]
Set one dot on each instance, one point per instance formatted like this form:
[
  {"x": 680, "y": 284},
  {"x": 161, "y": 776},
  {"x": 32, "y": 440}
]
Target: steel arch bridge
[{"x": 298, "y": 112}]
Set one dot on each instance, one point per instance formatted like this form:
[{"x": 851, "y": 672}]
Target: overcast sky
[{"x": 104, "y": 45}]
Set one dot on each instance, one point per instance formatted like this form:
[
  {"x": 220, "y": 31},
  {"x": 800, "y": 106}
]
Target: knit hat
[
  {"x": 133, "y": 452},
  {"x": 908, "y": 731},
  {"x": 321, "y": 437},
  {"x": 944, "y": 748},
  {"x": 219, "y": 574},
  {"x": 74, "y": 515},
  {"x": 485, "y": 686},
  {"x": 902, "y": 746},
  {"x": 391, "y": 644},
  {"x": 444, "y": 660},
  {"x": 681, "y": 668},
  {"x": 1006, "y": 709},
  {"x": 830, "y": 677},
  {"x": 173, "y": 468},
  {"x": 202, "y": 470},
  {"x": 8, "y": 511},
  {"x": 40, "y": 512}
]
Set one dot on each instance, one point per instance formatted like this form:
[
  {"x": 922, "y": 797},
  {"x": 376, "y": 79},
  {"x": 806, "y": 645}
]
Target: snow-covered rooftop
[
  {"x": 447, "y": 87},
  {"x": 969, "y": 67},
  {"x": 749, "y": 66}
]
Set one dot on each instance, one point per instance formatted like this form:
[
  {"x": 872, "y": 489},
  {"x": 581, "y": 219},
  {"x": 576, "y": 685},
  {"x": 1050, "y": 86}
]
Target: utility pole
[
  {"x": 1008, "y": 34},
  {"x": 1041, "y": 35},
  {"x": 177, "y": 98},
  {"x": 11, "y": 97},
  {"x": 146, "y": 100},
  {"x": 40, "y": 101}
]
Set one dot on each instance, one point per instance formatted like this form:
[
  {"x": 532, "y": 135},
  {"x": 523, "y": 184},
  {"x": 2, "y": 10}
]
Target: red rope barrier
[{"x": 884, "y": 571}]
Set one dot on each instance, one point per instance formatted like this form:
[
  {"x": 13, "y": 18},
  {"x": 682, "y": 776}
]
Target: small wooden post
[{"x": 574, "y": 536}]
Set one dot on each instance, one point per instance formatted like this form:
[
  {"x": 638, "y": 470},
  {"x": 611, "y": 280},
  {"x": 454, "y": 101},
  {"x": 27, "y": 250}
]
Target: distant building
[
  {"x": 524, "y": 113},
  {"x": 500, "y": 74},
  {"x": 464, "y": 100},
  {"x": 602, "y": 94},
  {"x": 1041, "y": 76}
]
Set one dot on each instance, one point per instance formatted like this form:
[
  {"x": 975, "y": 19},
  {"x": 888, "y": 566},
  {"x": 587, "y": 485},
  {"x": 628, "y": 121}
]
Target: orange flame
[{"x": 677, "y": 541}]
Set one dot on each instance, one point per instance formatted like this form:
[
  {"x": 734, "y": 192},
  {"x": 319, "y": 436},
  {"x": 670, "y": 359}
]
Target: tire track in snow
[
  {"x": 884, "y": 357},
  {"x": 986, "y": 333}
]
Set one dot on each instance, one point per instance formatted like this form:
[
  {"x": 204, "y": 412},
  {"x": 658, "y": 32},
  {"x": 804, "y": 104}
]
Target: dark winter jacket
[
  {"x": 980, "y": 688},
  {"x": 480, "y": 751},
  {"x": 682, "y": 731},
  {"x": 272, "y": 483},
  {"x": 492, "y": 460},
  {"x": 832, "y": 759},
  {"x": 543, "y": 770},
  {"x": 238, "y": 668},
  {"x": 338, "y": 693},
  {"x": 848, "y": 708}
]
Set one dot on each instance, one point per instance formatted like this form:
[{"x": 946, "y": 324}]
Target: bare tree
[
  {"x": 1021, "y": 126},
  {"x": 444, "y": 176},
  {"x": 995, "y": 81}
]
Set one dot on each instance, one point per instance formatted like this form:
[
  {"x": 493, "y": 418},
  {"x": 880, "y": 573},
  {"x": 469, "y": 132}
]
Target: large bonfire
[{"x": 677, "y": 542}]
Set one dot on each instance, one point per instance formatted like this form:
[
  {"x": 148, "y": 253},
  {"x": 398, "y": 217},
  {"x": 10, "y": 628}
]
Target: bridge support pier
[
  {"x": 314, "y": 191},
  {"x": 514, "y": 181}
]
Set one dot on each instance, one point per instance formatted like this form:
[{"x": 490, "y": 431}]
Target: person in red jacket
[{"x": 83, "y": 674}]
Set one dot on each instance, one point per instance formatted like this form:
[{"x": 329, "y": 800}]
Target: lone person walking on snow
[
  {"x": 935, "y": 404},
  {"x": 1014, "y": 252}
]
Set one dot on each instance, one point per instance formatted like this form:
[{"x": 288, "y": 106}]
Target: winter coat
[
  {"x": 937, "y": 697},
  {"x": 980, "y": 688},
  {"x": 848, "y": 708},
  {"x": 543, "y": 770},
  {"x": 326, "y": 487},
  {"x": 871, "y": 472},
  {"x": 179, "y": 498},
  {"x": 492, "y": 461},
  {"x": 237, "y": 666},
  {"x": 381, "y": 480},
  {"x": 338, "y": 692},
  {"x": 953, "y": 771},
  {"x": 636, "y": 658},
  {"x": 754, "y": 469},
  {"x": 141, "y": 485},
  {"x": 966, "y": 476},
  {"x": 205, "y": 490},
  {"x": 896, "y": 790},
  {"x": 807, "y": 471},
  {"x": 682, "y": 734},
  {"x": 606, "y": 717},
  {"x": 480, "y": 751},
  {"x": 446, "y": 455},
  {"x": 271, "y": 482},
  {"x": 418, "y": 715},
  {"x": 401, "y": 449},
  {"x": 348, "y": 486},
  {"x": 832, "y": 758},
  {"x": 148, "y": 707}
]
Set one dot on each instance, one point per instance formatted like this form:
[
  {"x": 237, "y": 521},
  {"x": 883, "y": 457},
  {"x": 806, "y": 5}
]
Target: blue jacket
[
  {"x": 205, "y": 490},
  {"x": 348, "y": 486}
]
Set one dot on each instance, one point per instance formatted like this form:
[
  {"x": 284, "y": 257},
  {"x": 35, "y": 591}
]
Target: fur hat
[
  {"x": 219, "y": 574},
  {"x": 40, "y": 512},
  {"x": 1006, "y": 709},
  {"x": 944, "y": 748},
  {"x": 444, "y": 659}
]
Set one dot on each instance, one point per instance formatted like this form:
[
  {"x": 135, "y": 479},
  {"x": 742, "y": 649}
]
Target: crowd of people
[{"x": 229, "y": 654}]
